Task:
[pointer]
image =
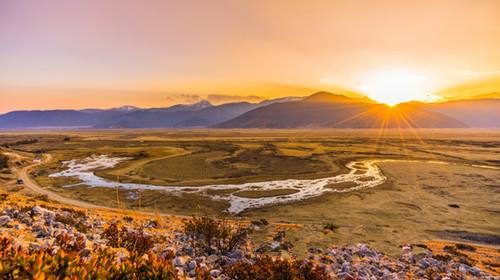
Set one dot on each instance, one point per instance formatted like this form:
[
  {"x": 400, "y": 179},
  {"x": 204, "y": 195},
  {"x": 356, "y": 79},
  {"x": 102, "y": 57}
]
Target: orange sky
[{"x": 76, "y": 54}]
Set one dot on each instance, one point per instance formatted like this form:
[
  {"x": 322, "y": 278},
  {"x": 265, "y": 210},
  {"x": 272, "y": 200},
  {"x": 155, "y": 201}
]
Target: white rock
[
  {"x": 4, "y": 220},
  {"x": 215, "y": 272}
]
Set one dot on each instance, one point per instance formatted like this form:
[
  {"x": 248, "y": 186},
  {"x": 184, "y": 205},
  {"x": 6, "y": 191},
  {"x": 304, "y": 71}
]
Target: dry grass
[{"x": 485, "y": 258}]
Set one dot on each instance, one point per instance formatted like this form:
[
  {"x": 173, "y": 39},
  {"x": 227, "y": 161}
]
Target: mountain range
[{"x": 319, "y": 110}]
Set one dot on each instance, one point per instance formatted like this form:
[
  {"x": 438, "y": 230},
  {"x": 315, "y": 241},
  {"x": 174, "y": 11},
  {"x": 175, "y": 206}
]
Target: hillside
[
  {"x": 478, "y": 113},
  {"x": 46, "y": 240},
  {"x": 201, "y": 114},
  {"x": 327, "y": 110},
  {"x": 320, "y": 110}
]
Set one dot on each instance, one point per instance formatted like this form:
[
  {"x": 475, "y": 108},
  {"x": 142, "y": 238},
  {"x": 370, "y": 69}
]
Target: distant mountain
[
  {"x": 320, "y": 110},
  {"x": 327, "y": 110},
  {"x": 178, "y": 117},
  {"x": 51, "y": 118},
  {"x": 201, "y": 114},
  {"x": 478, "y": 113},
  {"x": 280, "y": 100},
  {"x": 190, "y": 107},
  {"x": 126, "y": 108}
]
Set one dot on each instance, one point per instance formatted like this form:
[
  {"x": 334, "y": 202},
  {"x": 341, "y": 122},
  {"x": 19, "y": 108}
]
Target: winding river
[{"x": 362, "y": 175}]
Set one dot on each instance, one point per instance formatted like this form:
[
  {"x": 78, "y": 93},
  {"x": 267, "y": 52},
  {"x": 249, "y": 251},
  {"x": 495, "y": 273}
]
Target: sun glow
[{"x": 396, "y": 86}]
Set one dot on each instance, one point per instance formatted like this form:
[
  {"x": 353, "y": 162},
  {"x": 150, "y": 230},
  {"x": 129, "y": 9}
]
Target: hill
[
  {"x": 327, "y": 110},
  {"x": 201, "y": 114},
  {"x": 320, "y": 110},
  {"x": 477, "y": 113}
]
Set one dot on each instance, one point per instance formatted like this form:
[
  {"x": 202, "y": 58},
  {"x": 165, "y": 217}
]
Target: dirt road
[{"x": 33, "y": 186}]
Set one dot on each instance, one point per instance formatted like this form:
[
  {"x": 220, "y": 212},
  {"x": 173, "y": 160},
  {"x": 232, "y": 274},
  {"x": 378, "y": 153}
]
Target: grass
[{"x": 343, "y": 185}]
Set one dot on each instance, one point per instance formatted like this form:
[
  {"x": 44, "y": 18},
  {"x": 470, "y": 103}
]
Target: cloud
[
  {"x": 184, "y": 98},
  {"x": 212, "y": 98},
  {"x": 222, "y": 98}
]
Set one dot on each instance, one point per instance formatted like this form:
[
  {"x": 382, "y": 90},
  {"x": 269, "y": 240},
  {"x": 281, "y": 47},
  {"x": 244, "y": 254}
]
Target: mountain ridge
[{"x": 318, "y": 110}]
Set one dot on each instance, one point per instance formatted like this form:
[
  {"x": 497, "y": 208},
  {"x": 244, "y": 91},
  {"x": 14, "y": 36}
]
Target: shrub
[
  {"x": 134, "y": 241},
  {"x": 128, "y": 219},
  {"x": 208, "y": 234},
  {"x": 4, "y": 161},
  {"x": 73, "y": 219},
  {"x": 465, "y": 247},
  {"x": 268, "y": 268},
  {"x": 4, "y": 196},
  {"x": 261, "y": 222},
  {"x": 70, "y": 244},
  {"x": 18, "y": 263},
  {"x": 331, "y": 227},
  {"x": 141, "y": 155},
  {"x": 42, "y": 197}
]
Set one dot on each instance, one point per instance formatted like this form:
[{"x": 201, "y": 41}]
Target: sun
[{"x": 392, "y": 87}]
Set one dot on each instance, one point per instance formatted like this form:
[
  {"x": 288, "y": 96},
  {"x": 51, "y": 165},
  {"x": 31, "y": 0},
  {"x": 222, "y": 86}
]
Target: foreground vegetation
[{"x": 46, "y": 240}]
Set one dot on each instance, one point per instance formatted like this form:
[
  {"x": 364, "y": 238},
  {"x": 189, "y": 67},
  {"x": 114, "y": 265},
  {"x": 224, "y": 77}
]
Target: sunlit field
[{"x": 438, "y": 184}]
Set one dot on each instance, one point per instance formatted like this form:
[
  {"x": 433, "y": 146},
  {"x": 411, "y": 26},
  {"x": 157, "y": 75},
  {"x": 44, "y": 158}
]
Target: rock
[
  {"x": 212, "y": 259},
  {"x": 4, "y": 220},
  {"x": 275, "y": 245},
  {"x": 346, "y": 267},
  {"x": 151, "y": 224},
  {"x": 423, "y": 263},
  {"x": 179, "y": 261},
  {"x": 19, "y": 227},
  {"x": 236, "y": 254},
  {"x": 406, "y": 249},
  {"x": 215, "y": 272},
  {"x": 344, "y": 275},
  {"x": 189, "y": 250},
  {"x": 38, "y": 210},
  {"x": 192, "y": 265},
  {"x": 475, "y": 271}
]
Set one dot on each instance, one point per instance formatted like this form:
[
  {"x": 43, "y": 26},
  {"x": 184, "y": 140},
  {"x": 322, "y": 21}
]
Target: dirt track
[{"x": 33, "y": 186}]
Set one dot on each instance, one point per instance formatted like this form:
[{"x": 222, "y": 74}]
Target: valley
[{"x": 408, "y": 185}]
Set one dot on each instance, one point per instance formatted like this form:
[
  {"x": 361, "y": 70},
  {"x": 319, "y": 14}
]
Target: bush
[
  {"x": 208, "y": 234},
  {"x": 261, "y": 222},
  {"x": 268, "y": 268},
  {"x": 331, "y": 227},
  {"x": 4, "y": 196},
  {"x": 18, "y": 263},
  {"x": 140, "y": 155},
  {"x": 134, "y": 241},
  {"x": 41, "y": 197},
  {"x": 465, "y": 247},
  {"x": 72, "y": 219},
  {"x": 4, "y": 161},
  {"x": 70, "y": 244}
]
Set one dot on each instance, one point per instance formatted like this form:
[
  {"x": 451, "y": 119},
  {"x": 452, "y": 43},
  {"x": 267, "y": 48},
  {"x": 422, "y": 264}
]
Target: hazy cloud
[
  {"x": 222, "y": 98},
  {"x": 184, "y": 98},
  {"x": 212, "y": 98}
]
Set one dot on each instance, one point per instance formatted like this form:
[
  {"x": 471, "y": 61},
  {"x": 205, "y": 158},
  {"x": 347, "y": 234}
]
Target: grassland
[{"x": 419, "y": 201}]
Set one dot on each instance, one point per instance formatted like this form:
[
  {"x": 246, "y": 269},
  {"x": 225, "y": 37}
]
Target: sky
[{"x": 154, "y": 53}]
